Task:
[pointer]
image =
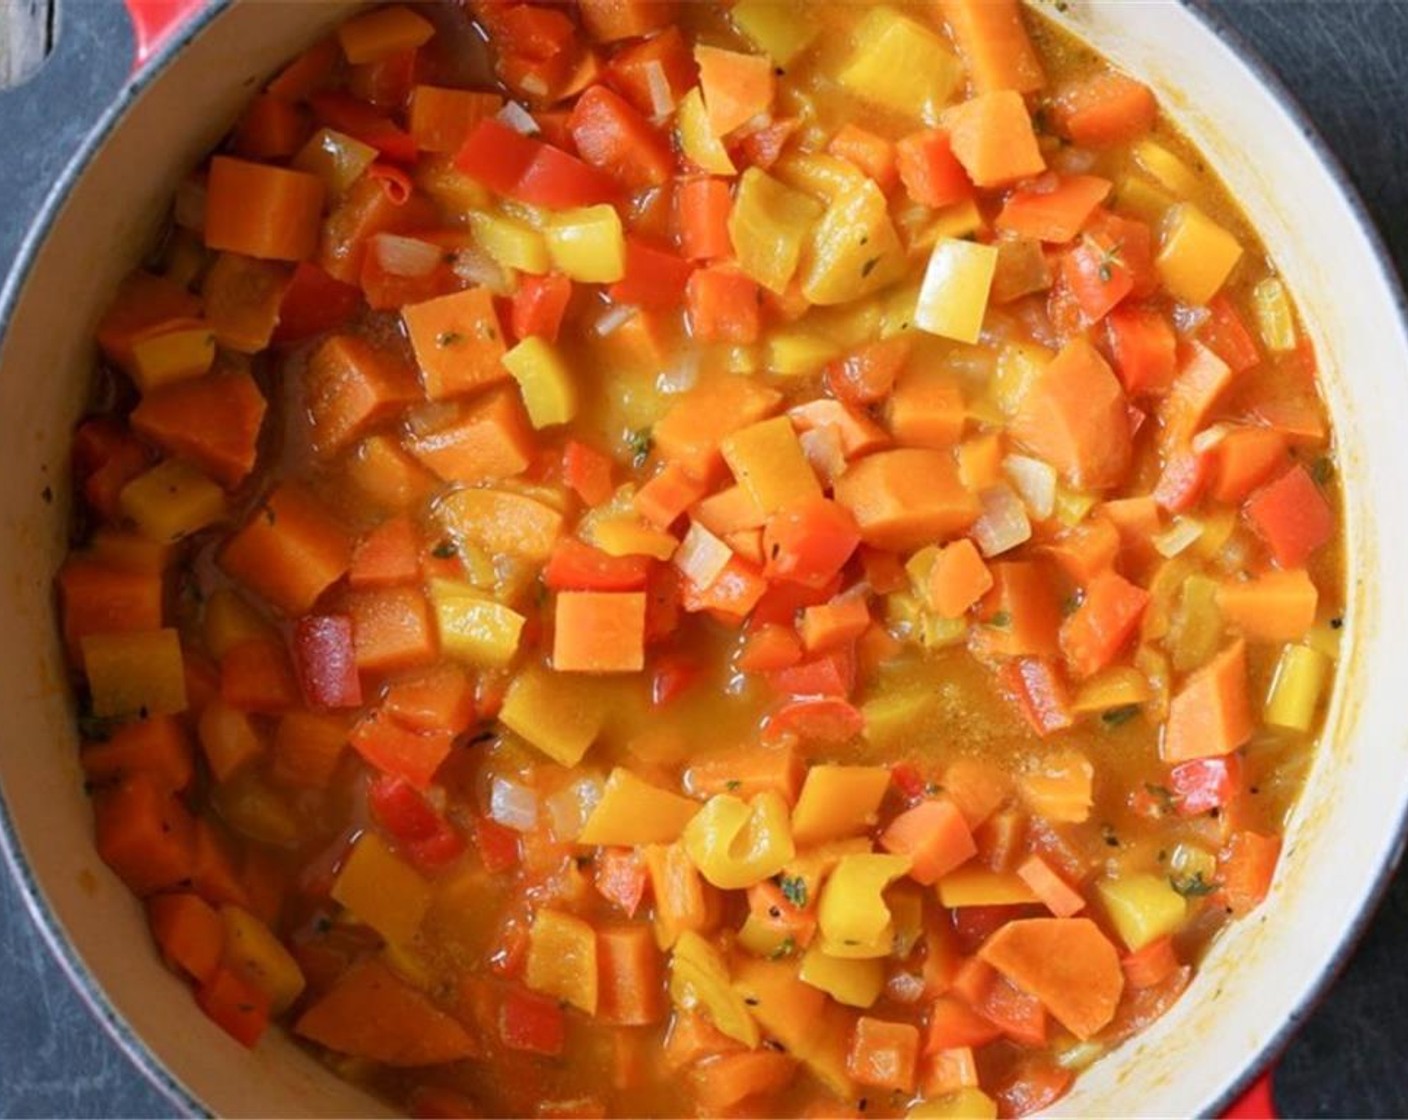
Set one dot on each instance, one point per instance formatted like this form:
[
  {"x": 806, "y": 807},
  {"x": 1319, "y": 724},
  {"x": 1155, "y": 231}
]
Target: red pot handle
[
  {"x": 1256, "y": 1103},
  {"x": 154, "y": 20}
]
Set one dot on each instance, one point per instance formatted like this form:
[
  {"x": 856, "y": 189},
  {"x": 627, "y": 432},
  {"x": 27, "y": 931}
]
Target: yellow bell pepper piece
[
  {"x": 172, "y": 501},
  {"x": 543, "y": 379},
  {"x": 1141, "y": 199},
  {"x": 495, "y": 523},
  {"x": 780, "y": 31},
  {"x": 252, "y": 808},
  {"x": 473, "y": 627},
  {"x": 135, "y": 673},
  {"x": 965, "y": 1104},
  {"x": 699, "y": 981},
  {"x": 408, "y": 965},
  {"x": 381, "y": 890},
  {"x": 1301, "y": 675},
  {"x": 229, "y": 620},
  {"x": 763, "y": 939},
  {"x": 978, "y": 886},
  {"x": 337, "y": 159},
  {"x": 768, "y": 461},
  {"x": 1195, "y": 629},
  {"x": 1275, "y": 317},
  {"x": 588, "y": 244},
  {"x": 852, "y": 912},
  {"x": 856, "y": 983},
  {"x": 901, "y": 65},
  {"x": 816, "y": 863},
  {"x": 627, "y": 536},
  {"x": 179, "y": 354},
  {"x": 253, "y": 951},
  {"x": 558, "y": 713},
  {"x": 906, "y": 903},
  {"x": 455, "y": 191},
  {"x": 1142, "y": 908},
  {"x": 825, "y": 177},
  {"x": 512, "y": 244},
  {"x": 1197, "y": 255},
  {"x": 855, "y": 250},
  {"x": 1165, "y": 168},
  {"x": 736, "y": 844},
  {"x": 1018, "y": 364},
  {"x": 838, "y": 801},
  {"x": 895, "y": 713},
  {"x": 698, "y": 143},
  {"x": 632, "y": 811},
  {"x": 798, "y": 353},
  {"x": 1119, "y": 687},
  {"x": 954, "y": 297},
  {"x": 800, "y": 1017},
  {"x": 1061, "y": 788},
  {"x": 768, "y": 226},
  {"x": 562, "y": 959}
]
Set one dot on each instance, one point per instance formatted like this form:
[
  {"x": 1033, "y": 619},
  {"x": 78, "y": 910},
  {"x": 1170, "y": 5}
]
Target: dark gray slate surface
[{"x": 1347, "y": 61}]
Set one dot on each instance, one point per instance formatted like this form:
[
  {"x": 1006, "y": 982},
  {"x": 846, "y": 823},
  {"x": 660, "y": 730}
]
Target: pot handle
[{"x": 1257, "y": 1103}]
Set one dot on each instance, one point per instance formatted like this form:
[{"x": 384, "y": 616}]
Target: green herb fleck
[
  {"x": 1002, "y": 620},
  {"x": 1107, "y": 259},
  {"x": 1070, "y": 605},
  {"x": 733, "y": 784},
  {"x": 868, "y": 267},
  {"x": 95, "y": 729},
  {"x": 640, "y": 442},
  {"x": 445, "y": 550},
  {"x": 794, "y": 889},
  {"x": 1118, "y": 717},
  {"x": 1163, "y": 795},
  {"x": 932, "y": 789},
  {"x": 448, "y": 338},
  {"x": 786, "y": 949},
  {"x": 1337, "y": 623},
  {"x": 1107, "y": 833},
  {"x": 1322, "y": 470},
  {"x": 1192, "y": 886}
]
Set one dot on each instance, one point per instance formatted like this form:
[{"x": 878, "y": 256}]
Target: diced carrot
[
  {"x": 821, "y": 720},
  {"x": 1292, "y": 516},
  {"x": 398, "y": 751},
  {"x": 307, "y": 748},
  {"x": 489, "y": 438},
  {"x": 1225, "y": 333},
  {"x": 870, "y": 152},
  {"x": 825, "y": 674},
  {"x": 392, "y": 629},
  {"x": 290, "y": 551},
  {"x": 884, "y": 1055},
  {"x": 257, "y": 676},
  {"x": 366, "y": 210},
  {"x": 722, "y": 305},
  {"x": 156, "y": 747},
  {"x": 832, "y": 625},
  {"x": 1210, "y": 715},
  {"x": 1056, "y": 894},
  {"x": 214, "y": 421},
  {"x": 906, "y": 498},
  {"x": 1073, "y": 415},
  {"x": 1144, "y": 348},
  {"x": 932, "y": 174},
  {"x": 188, "y": 931},
  {"x": 934, "y": 835},
  {"x": 655, "y": 277},
  {"x": 1030, "y": 1086},
  {"x": 608, "y": 21},
  {"x": 350, "y": 386},
  {"x": 458, "y": 342},
  {"x": 992, "y": 137},
  {"x": 599, "y": 632},
  {"x": 1021, "y": 1015},
  {"x": 441, "y": 118},
  {"x": 308, "y": 72},
  {"x": 621, "y": 878},
  {"x": 958, "y": 579},
  {"x": 270, "y": 128},
  {"x": 1243, "y": 459},
  {"x": 96, "y": 598},
  {"x": 387, "y": 555},
  {"x": 746, "y": 772},
  {"x": 1040, "y": 693},
  {"x": 1103, "y": 110},
  {"x": 371, "y": 1013},
  {"x": 587, "y": 471},
  {"x": 382, "y": 472},
  {"x": 574, "y": 566},
  {"x": 1022, "y": 612},
  {"x": 994, "y": 44},
  {"x": 665, "y": 497},
  {"x": 855, "y": 432},
  {"x": 737, "y": 87},
  {"x": 953, "y": 1024},
  {"x": 926, "y": 409},
  {"x": 631, "y": 974},
  {"x": 144, "y": 834},
  {"x": 1247, "y": 868},
  {"x": 702, "y": 207},
  {"x": 730, "y": 1080},
  {"x": 866, "y": 376},
  {"x": 1150, "y": 965},
  {"x": 441, "y": 698},
  {"x": 1275, "y": 607},
  {"x": 1102, "y": 625},
  {"x": 1054, "y": 208},
  {"x": 106, "y": 457},
  {"x": 767, "y": 647},
  {"x": 143, "y": 305},
  {"x": 261, "y": 211},
  {"x": 235, "y": 1004},
  {"x": 242, "y": 300},
  {"x": 381, "y": 32},
  {"x": 1202, "y": 380},
  {"x": 948, "y": 1071},
  {"x": 683, "y": 901},
  {"x": 692, "y": 430},
  {"x": 610, "y": 134},
  {"x": 693, "y": 1038}
]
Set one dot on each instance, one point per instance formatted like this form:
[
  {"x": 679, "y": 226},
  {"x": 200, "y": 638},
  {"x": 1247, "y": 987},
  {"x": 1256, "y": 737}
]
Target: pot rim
[{"x": 31, "y": 892}]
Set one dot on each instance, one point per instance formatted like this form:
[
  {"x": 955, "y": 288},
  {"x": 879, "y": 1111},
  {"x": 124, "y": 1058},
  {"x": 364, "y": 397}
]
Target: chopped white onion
[
  {"x": 474, "y": 266},
  {"x": 662, "y": 97},
  {"x": 512, "y": 805},
  {"x": 1003, "y": 524},
  {"x": 190, "y": 205},
  {"x": 825, "y": 451},
  {"x": 905, "y": 987},
  {"x": 1035, "y": 482},
  {"x": 1187, "y": 320},
  {"x": 516, "y": 117},
  {"x": 1181, "y": 535},
  {"x": 613, "y": 319},
  {"x": 1073, "y": 161},
  {"x": 682, "y": 375},
  {"x": 569, "y": 808},
  {"x": 701, "y": 556},
  {"x": 1210, "y": 437},
  {"x": 406, "y": 256}
]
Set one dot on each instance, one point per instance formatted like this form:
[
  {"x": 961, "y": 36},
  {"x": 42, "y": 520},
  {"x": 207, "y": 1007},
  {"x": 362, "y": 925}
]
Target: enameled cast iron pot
[{"x": 196, "y": 63}]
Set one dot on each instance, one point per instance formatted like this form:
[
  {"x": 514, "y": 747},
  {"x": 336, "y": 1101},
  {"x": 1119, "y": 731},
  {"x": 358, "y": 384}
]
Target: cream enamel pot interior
[{"x": 1345, "y": 836}]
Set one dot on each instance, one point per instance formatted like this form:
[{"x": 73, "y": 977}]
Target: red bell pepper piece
[
  {"x": 530, "y": 171},
  {"x": 655, "y": 278},
  {"x": 1205, "y": 783},
  {"x": 313, "y": 303},
  {"x": 531, "y": 1022},
  {"x": 326, "y": 662},
  {"x": 497, "y": 845},
  {"x": 360, "y": 121}
]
